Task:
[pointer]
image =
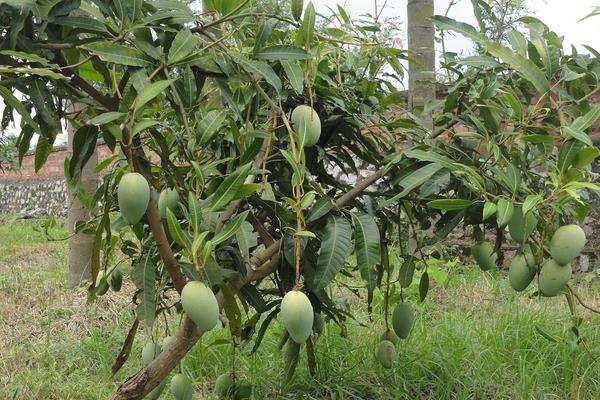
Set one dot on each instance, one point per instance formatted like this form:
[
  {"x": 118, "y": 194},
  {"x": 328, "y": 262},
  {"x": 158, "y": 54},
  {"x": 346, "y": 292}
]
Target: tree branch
[{"x": 149, "y": 377}]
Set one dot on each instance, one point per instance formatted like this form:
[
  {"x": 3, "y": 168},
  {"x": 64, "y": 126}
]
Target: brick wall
[{"x": 46, "y": 190}]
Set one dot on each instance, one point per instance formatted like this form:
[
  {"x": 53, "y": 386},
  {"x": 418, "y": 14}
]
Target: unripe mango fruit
[
  {"x": 115, "y": 280},
  {"x": 155, "y": 394},
  {"x": 150, "y": 351},
  {"x": 484, "y": 255},
  {"x": 297, "y": 315},
  {"x": 386, "y": 353},
  {"x": 242, "y": 391},
  {"x": 133, "y": 195},
  {"x": 553, "y": 278},
  {"x": 566, "y": 244},
  {"x": 181, "y": 387},
  {"x": 390, "y": 335},
  {"x": 224, "y": 386},
  {"x": 403, "y": 319},
  {"x": 167, "y": 200},
  {"x": 101, "y": 287},
  {"x": 307, "y": 125},
  {"x": 521, "y": 227},
  {"x": 520, "y": 274},
  {"x": 200, "y": 305},
  {"x": 318, "y": 323}
]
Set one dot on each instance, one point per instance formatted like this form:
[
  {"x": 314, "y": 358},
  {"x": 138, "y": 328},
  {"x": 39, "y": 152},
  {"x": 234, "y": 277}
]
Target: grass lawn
[{"x": 474, "y": 338}]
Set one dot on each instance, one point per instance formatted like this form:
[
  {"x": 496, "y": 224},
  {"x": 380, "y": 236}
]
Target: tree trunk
[
  {"x": 421, "y": 69},
  {"x": 80, "y": 244}
]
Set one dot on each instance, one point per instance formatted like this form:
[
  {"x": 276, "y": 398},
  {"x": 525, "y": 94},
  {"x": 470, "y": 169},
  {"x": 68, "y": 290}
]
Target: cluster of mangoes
[
  {"x": 567, "y": 243},
  {"x": 403, "y": 319}
]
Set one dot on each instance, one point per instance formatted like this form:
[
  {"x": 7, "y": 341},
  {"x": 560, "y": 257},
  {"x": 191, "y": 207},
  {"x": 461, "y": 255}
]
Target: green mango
[
  {"x": 181, "y": 387},
  {"x": 200, "y": 305},
  {"x": 224, "y": 386},
  {"x": 403, "y": 319},
  {"x": 520, "y": 274},
  {"x": 133, "y": 195},
  {"x": 484, "y": 255},
  {"x": 168, "y": 200},
  {"x": 297, "y": 315},
  {"x": 567, "y": 243},
  {"x": 386, "y": 353},
  {"x": 553, "y": 278},
  {"x": 519, "y": 227},
  {"x": 307, "y": 125}
]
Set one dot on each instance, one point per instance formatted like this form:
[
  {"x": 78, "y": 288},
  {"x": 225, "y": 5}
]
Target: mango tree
[{"x": 228, "y": 130}]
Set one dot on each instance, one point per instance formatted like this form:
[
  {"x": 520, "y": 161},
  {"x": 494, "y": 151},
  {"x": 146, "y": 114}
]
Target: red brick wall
[{"x": 53, "y": 169}]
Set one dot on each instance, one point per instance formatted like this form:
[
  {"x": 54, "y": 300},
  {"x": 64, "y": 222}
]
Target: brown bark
[
  {"x": 81, "y": 245},
  {"x": 142, "y": 383},
  {"x": 421, "y": 69}
]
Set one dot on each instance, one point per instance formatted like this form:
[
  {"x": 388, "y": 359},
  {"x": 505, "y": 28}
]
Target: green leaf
[
  {"x": 297, "y": 6},
  {"x": 335, "y": 246},
  {"x": 586, "y": 156},
  {"x": 513, "y": 175},
  {"x": 587, "y": 120},
  {"x": 442, "y": 22},
  {"x": 42, "y": 151},
  {"x": 184, "y": 43},
  {"x": 195, "y": 211},
  {"x": 518, "y": 42},
  {"x": 230, "y": 228},
  {"x": 86, "y": 24},
  {"x": 32, "y": 71},
  {"x": 13, "y": 102},
  {"x": 578, "y": 135},
  {"x": 568, "y": 154},
  {"x": 117, "y": 54},
  {"x": 106, "y": 117},
  {"x": 246, "y": 239},
  {"x": 178, "y": 235},
  {"x": 489, "y": 209},
  {"x": 307, "y": 27},
  {"x": 531, "y": 201},
  {"x": 367, "y": 246},
  {"x": 34, "y": 58},
  {"x": 424, "y": 286},
  {"x": 143, "y": 275},
  {"x": 504, "y": 212},
  {"x": 282, "y": 52},
  {"x": 210, "y": 124},
  {"x": 449, "y": 204},
  {"x": 294, "y": 74},
  {"x": 407, "y": 272},
  {"x": 261, "y": 69},
  {"x": 522, "y": 65},
  {"x": 84, "y": 145},
  {"x": 150, "y": 92},
  {"x": 479, "y": 61},
  {"x": 142, "y": 125},
  {"x": 413, "y": 181},
  {"x": 319, "y": 209},
  {"x": 229, "y": 188}
]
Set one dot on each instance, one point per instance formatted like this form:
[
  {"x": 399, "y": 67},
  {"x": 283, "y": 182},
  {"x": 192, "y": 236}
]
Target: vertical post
[
  {"x": 421, "y": 69},
  {"x": 80, "y": 244}
]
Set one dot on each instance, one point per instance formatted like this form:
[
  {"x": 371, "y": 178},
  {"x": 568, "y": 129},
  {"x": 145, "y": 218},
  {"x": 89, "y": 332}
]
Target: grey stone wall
[{"x": 50, "y": 196}]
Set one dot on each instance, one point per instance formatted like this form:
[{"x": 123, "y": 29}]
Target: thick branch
[
  {"x": 164, "y": 249},
  {"x": 149, "y": 377}
]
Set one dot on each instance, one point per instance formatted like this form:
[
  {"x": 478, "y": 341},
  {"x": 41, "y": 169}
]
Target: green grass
[{"x": 474, "y": 339}]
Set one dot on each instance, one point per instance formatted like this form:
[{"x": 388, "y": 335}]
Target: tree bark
[
  {"x": 80, "y": 244},
  {"x": 421, "y": 69}
]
